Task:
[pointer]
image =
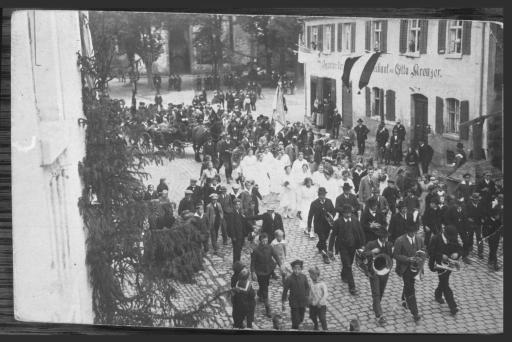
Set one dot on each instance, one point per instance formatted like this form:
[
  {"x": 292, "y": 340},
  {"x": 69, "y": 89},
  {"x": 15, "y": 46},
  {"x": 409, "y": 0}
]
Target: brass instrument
[
  {"x": 449, "y": 265},
  {"x": 419, "y": 263},
  {"x": 382, "y": 264},
  {"x": 329, "y": 218},
  {"x": 363, "y": 262}
]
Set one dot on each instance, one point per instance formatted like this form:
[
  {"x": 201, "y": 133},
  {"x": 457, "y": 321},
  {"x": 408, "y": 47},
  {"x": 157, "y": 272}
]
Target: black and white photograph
[{"x": 258, "y": 172}]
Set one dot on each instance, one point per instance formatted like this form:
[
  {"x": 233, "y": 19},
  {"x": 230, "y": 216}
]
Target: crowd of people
[{"x": 351, "y": 205}]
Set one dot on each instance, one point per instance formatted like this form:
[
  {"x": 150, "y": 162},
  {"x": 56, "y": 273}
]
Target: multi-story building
[{"x": 436, "y": 76}]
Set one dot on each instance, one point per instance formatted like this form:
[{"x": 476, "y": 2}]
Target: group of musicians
[{"x": 370, "y": 245}]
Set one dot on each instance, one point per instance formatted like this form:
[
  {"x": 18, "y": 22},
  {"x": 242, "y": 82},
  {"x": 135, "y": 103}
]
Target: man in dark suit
[
  {"x": 404, "y": 252},
  {"x": 444, "y": 246},
  {"x": 347, "y": 198},
  {"x": 226, "y": 202},
  {"x": 487, "y": 190},
  {"x": 425, "y": 153},
  {"x": 465, "y": 188},
  {"x": 317, "y": 213},
  {"x": 475, "y": 213},
  {"x": 237, "y": 230},
  {"x": 378, "y": 282},
  {"x": 337, "y": 119},
  {"x": 399, "y": 131},
  {"x": 347, "y": 236},
  {"x": 371, "y": 220},
  {"x": 272, "y": 221},
  {"x": 187, "y": 203},
  {"x": 456, "y": 216},
  {"x": 432, "y": 220},
  {"x": 197, "y": 191},
  {"x": 381, "y": 138},
  {"x": 361, "y": 134},
  {"x": 398, "y": 222},
  {"x": 210, "y": 149},
  {"x": 225, "y": 148}
]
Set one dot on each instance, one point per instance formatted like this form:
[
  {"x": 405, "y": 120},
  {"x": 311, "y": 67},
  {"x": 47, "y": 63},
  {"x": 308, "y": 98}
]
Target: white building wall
[{"x": 50, "y": 276}]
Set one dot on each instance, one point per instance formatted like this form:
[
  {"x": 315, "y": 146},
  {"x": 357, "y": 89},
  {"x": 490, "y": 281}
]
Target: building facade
[
  {"x": 433, "y": 75},
  {"x": 51, "y": 282}
]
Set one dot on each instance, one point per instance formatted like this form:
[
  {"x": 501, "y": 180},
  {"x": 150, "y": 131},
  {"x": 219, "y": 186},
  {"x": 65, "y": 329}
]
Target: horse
[{"x": 201, "y": 132}]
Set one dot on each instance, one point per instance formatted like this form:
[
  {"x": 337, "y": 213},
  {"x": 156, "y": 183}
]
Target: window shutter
[
  {"x": 384, "y": 36},
  {"x": 464, "y": 117},
  {"x": 381, "y": 109},
  {"x": 368, "y": 37},
  {"x": 466, "y": 38},
  {"x": 403, "y": 36},
  {"x": 439, "y": 115},
  {"x": 333, "y": 37},
  {"x": 390, "y": 105},
  {"x": 340, "y": 35},
  {"x": 353, "y": 33},
  {"x": 368, "y": 103},
  {"x": 423, "y": 36},
  {"x": 320, "y": 43},
  {"x": 308, "y": 42},
  {"x": 441, "y": 37}
]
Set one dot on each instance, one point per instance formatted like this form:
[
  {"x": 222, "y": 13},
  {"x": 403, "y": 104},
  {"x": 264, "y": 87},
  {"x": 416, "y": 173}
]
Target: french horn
[
  {"x": 382, "y": 264},
  {"x": 451, "y": 265}
]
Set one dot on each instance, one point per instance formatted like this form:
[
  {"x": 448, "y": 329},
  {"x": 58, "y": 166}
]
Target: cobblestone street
[{"x": 478, "y": 291}]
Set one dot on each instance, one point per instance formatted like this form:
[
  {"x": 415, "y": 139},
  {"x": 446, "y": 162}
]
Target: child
[
  {"x": 298, "y": 285},
  {"x": 243, "y": 300},
  {"x": 387, "y": 154},
  {"x": 317, "y": 299},
  {"x": 279, "y": 246}
]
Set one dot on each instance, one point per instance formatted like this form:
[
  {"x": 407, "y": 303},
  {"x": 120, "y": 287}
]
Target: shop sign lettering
[{"x": 408, "y": 71}]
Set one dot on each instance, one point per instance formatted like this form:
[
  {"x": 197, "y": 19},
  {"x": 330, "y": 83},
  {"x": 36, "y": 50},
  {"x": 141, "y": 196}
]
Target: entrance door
[
  {"x": 420, "y": 108},
  {"x": 346, "y": 107},
  {"x": 313, "y": 92}
]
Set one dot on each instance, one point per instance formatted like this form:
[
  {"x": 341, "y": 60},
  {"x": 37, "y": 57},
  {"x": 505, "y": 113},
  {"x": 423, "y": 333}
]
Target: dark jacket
[
  {"x": 186, "y": 204},
  {"x": 356, "y": 179},
  {"x": 464, "y": 190},
  {"x": 425, "y": 153},
  {"x": 317, "y": 212},
  {"x": 412, "y": 202},
  {"x": 269, "y": 226},
  {"x": 227, "y": 203},
  {"x": 361, "y": 132},
  {"x": 381, "y": 137},
  {"x": 399, "y": 131},
  {"x": 391, "y": 195},
  {"x": 437, "y": 248},
  {"x": 456, "y": 218},
  {"x": 404, "y": 250},
  {"x": 264, "y": 260},
  {"x": 367, "y": 219},
  {"x": 397, "y": 226},
  {"x": 475, "y": 213},
  {"x": 433, "y": 218},
  {"x": 487, "y": 191},
  {"x": 341, "y": 200},
  {"x": 386, "y": 249},
  {"x": 238, "y": 227},
  {"x": 299, "y": 290},
  {"x": 197, "y": 193},
  {"x": 346, "y": 235}
]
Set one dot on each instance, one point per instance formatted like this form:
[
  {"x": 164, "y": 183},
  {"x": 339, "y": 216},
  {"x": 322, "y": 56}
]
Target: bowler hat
[
  {"x": 411, "y": 227},
  {"x": 214, "y": 196},
  {"x": 475, "y": 196},
  {"x": 381, "y": 231},
  {"x": 321, "y": 190},
  {"x": 401, "y": 205},
  {"x": 346, "y": 209},
  {"x": 347, "y": 186},
  {"x": 297, "y": 262},
  {"x": 359, "y": 120}
]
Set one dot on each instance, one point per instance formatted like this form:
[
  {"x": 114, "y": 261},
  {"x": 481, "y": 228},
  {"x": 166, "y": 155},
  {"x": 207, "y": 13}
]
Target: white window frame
[
  {"x": 375, "y": 91},
  {"x": 327, "y": 39},
  {"x": 457, "y": 27},
  {"x": 448, "y": 121},
  {"x": 413, "y": 34},
  {"x": 376, "y": 31},
  {"x": 346, "y": 41}
]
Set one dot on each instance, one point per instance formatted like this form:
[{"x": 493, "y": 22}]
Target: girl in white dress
[
  {"x": 287, "y": 200},
  {"x": 298, "y": 163},
  {"x": 302, "y": 174},
  {"x": 261, "y": 176},
  {"x": 248, "y": 164},
  {"x": 307, "y": 194},
  {"x": 331, "y": 185},
  {"x": 276, "y": 175},
  {"x": 318, "y": 176}
]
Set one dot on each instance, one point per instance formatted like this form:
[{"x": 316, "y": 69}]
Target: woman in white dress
[
  {"x": 298, "y": 163},
  {"x": 276, "y": 175},
  {"x": 261, "y": 176},
  {"x": 248, "y": 164},
  {"x": 318, "y": 176},
  {"x": 302, "y": 174},
  {"x": 345, "y": 179},
  {"x": 331, "y": 185},
  {"x": 307, "y": 194},
  {"x": 287, "y": 200}
]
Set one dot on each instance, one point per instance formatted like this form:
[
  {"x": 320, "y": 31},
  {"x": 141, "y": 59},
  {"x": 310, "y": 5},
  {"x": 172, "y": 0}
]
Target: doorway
[
  {"x": 419, "y": 118},
  {"x": 346, "y": 107}
]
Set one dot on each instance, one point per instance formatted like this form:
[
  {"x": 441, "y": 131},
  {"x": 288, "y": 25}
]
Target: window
[
  {"x": 378, "y": 102},
  {"x": 347, "y": 37},
  {"x": 413, "y": 41},
  {"x": 455, "y": 36},
  {"x": 377, "y": 35},
  {"x": 452, "y": 116},
  {"x": 327, "y": 38},
  {"x": 314, "y": 37}
]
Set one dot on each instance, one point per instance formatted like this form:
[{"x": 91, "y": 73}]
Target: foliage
[
  {"x": 131, "y": 269},
  {"x": 209, "y": 38}
]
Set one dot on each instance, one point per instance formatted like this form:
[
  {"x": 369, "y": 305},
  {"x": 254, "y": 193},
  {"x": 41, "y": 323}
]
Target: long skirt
[{"x": 320, "y": 119}]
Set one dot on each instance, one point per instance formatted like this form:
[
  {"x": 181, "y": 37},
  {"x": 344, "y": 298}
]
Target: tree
[{"x": 209, "y": 38}]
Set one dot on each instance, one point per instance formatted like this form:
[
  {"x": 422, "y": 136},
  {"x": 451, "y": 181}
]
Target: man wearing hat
[
  {"x": 361, "y": 134},
  {"x": 237, "y": 229},
  {"x": 347, "y": 197},
  {"x": 487, "y": 190},
  {"x": 425, "y": 154},
  {"x": 210, "y": 149},
  {"x": 225, "y": 147},
  {"x": 272, "y": 221},
  {"x": 378, "y": 282},
  {"x": 200, "y": 222},
  {"x": 321, "y": 212},
  {"x": 492, "y": 229},
  {"x": 214, "y": 218},
  {"x": 299, "y": 288},
  {"x": 444, "y": 246},
  {"x": 382, "y": 203},
  {"x": 404, "y": 252},
  {"x": 226, "y": 201},
  {"x": 367, "y": 185},
  {"x": 347, "y": 236},
  {"x": 357, "y": 175},
  {"x": 432, "y": 220},
  {"x": 186, "y": 203},
  {"x": 475, "y": 213},
  {"x": 465, "y": 188},
  {"x": 371, "y": 219},
  {"x": 456, "y": 216},
  {"x": 161, "y": 186},
  {"x": 391, "y": 194},
  {"x": 197, "y": 191},
  {"x": 398, "y": 222}
]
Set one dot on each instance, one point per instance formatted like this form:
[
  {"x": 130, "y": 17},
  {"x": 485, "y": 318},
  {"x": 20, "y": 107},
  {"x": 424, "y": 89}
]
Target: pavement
[{"x": 478, "y": 291}]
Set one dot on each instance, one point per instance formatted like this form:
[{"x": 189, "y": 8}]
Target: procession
[{"x": 318, "y": 188}]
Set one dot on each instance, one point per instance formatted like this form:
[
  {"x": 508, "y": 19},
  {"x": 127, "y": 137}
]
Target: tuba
[
  {"x": 382, "y": 264},
  {"x": 419, "y": 263}
]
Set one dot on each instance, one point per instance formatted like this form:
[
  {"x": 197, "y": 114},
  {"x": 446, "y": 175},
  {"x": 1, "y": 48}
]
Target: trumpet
[
  {"x": 419, "y": 262},
  {"x": 449, "y": 265}
]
